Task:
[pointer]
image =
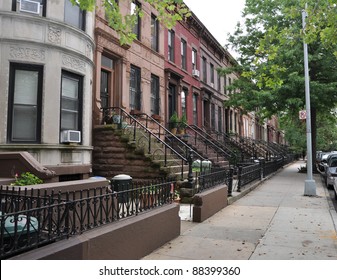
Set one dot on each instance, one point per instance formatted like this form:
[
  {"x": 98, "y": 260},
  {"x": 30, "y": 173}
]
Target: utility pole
[{"x": 309, "y": 184}]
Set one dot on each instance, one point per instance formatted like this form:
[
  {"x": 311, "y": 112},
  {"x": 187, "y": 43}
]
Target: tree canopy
[
  {"x": 271, "y": 61},
  {"x": 169, "y": 12}
]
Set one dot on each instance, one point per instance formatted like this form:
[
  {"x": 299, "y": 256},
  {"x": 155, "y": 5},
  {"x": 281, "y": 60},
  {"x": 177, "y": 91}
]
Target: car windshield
[{"x": 333, "y": 162}]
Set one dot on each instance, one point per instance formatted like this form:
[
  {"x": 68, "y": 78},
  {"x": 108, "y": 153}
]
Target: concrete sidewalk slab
[{"x": 271, "y": 221}]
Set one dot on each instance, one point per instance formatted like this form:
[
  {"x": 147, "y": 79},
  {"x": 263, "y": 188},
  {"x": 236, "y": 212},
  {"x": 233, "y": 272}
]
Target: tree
[
  {"x": 322, "y": 23},
  {"x": 169, "y": 12},
  {"x": 271, "y": 63}
]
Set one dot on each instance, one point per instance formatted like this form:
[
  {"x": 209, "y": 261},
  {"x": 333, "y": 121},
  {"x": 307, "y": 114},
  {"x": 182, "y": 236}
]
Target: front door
[{"x": 172, "y": 99}]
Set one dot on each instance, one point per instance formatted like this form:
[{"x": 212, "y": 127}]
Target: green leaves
[
  {"x": 169, "y": 12},
  {"x": 27, "y": 179}
]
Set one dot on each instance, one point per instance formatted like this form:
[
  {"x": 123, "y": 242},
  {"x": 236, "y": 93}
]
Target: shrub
[{"x": 26, "y": 179}]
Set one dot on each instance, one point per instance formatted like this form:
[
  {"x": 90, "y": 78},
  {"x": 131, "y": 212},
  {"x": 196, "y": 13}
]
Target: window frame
[
  {"x": 79, "y": 79},
  {"x": 154, "y": 33},
  {"x": 183, "y": 101},
  {"x": 138, "y": 91},
  {"x": 194, "y": 59},
  {"x": 11, "y": 91},
  {"x": 183, "y": 51},
  {"x": 155, "y": 95},
  {"x": 195, "y": 109},
  {"x": 204, "y": 69},
  {"x": 170, "y": 45},
  {"x": 82, "y": 16},
  {"x": 137, "y": 28},
  {"x": 211, "y": 70}
]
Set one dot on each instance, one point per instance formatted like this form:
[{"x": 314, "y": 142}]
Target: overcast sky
[{"x": 219, "y": 16}]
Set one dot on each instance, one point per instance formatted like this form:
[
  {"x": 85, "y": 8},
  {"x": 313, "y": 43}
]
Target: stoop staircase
[{"x": 139, "y": 146}]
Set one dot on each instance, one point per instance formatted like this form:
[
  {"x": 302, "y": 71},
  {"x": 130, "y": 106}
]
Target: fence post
[
  {"x": 230, "y": 181},
  {"x": 262, "y": 168},
  {"x": 239, "y": 178},
  {"x": 190, "y": 172}
]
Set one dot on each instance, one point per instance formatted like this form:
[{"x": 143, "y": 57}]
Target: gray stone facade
[{"x": 55, "y": 46}]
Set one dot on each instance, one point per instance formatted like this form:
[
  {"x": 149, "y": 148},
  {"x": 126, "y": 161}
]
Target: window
[
  {"x": 73, "y": 15},
  {"x": 183, "y": 101},
  {"x": 195, "y": 109},
  {"x": 170, "y": 45},
  {"x": 211, "y": 67},
  {"x": 32, "y": 7},
  {"x": 113, "y": 5},
  {"x": 154, "y": 33},
  {"x": 194, "y": 59},
  {"x": 71, "y": 102},
  {"x": 136, "y": 29},
  {"x": 220, "y": 119},
  {"x": 213, "y": 115},
  {"x": 135, "y": 91},
  {"x": 204, "y": 69},
  {"x": 229, "y": 84},
  {"x": 219, "y": 82},
  {"x": 155, "y": 100},
  {"x": 183, "y": 54},
  {"x": 25, "y": 99},
  {"x": 225, "y": 83}
]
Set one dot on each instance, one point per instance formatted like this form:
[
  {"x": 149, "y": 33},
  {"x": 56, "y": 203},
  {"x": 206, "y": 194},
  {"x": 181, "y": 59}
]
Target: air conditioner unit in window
[
  {"x": 70, "y": 136},
  {"x": 195, "y": 73},
  {"x": 29, "y": 6}
]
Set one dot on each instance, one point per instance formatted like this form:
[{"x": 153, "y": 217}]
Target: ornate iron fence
[
  {"x": 257, "y": 171},
  {"x": 30, "y": 219},
  {"x": 249, "y": 173},
  {"x": 214, "y": 178}
]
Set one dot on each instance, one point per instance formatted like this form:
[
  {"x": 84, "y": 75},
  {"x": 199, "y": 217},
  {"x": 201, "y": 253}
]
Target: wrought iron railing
[
  {"x": 248, "y": 173},
  {"x": 213, "y": 143},
  {"x": 214, "y": 178},
  {"x": 31, "y": 219},
  {"x": 152, "y": 136}
]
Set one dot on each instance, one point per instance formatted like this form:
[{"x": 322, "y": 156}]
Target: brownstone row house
[{"x": 60, "y": 66}]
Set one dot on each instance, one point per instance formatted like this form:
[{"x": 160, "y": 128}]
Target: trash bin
[
  {"x": 196, "y": 165},
  {"x": 206, "y": 165},
  {"x": 17, "y": 225},
  {"x": 121, "y": 183}
]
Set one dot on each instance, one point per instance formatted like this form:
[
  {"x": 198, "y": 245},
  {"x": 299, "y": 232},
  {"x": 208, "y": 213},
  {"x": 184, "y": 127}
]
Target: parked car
[
  {"x": 331, "y": 170},
  {"x": 335, "y": 186},
  {"x": 321, "y": 160}
]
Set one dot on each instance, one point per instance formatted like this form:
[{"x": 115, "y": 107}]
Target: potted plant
[
  {"x": 174, "y": 120},
  {"x": 182, "y": 124}
]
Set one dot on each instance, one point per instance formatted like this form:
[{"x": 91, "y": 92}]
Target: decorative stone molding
[
  {"x": 54, "y": 35},
  {"x": 88, "y": 50},
  {"x": 74, "y": 63},
  {"x": 27, "y": 53}
]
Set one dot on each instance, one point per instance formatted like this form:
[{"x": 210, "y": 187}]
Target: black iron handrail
[
  {"x": 124, "y": 119},
  {"x": 220, "y": 145}
]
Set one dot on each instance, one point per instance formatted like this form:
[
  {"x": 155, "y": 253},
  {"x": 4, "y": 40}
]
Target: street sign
[{"x": 302, "y": 115}]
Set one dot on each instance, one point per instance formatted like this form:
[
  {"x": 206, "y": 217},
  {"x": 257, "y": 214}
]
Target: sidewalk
[{"x": 274, "y": 221}]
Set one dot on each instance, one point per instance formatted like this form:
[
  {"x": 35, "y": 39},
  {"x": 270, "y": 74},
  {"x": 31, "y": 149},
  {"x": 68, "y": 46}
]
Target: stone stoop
[{"x": 114, "y": 155}]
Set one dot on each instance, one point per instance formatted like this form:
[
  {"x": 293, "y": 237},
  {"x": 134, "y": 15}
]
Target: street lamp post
[{"x": 309, "y": 185}]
